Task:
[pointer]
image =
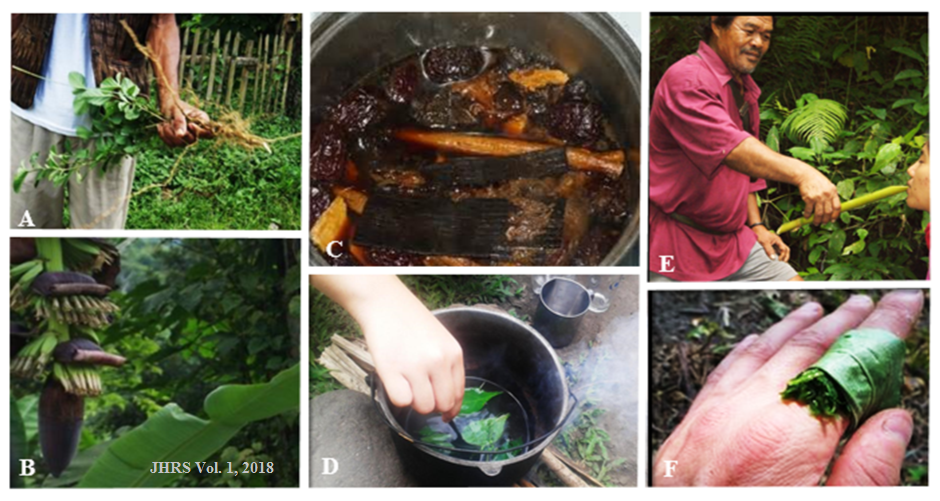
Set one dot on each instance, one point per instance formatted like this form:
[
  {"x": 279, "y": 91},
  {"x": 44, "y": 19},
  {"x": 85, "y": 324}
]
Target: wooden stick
[
  {"x": 575, "y": 466},
  {"x": 243, "y": 91},
  {"x": 212, "y": 65},
  {"x": 566, "y": 476},
  {"x": 608, "y": 163},
  {"x": 355, "y": 351},
  {"x": 231, "y": 70}
]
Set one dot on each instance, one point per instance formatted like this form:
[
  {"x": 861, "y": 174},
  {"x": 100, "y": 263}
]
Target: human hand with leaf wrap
[{"x": 739, "y": 431}]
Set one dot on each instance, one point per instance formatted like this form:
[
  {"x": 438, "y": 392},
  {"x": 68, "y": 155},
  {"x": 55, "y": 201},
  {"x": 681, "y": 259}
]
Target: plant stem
[
  {"x": 847, "y": 206},
  {"x": 50, "y": 251}
]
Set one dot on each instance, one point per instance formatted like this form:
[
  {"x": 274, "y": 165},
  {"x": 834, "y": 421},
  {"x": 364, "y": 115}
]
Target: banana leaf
[
  {"x": 17, "y": 443},
  {"x": 860, "y": 375},
  {"x": 172, "y": 435}
]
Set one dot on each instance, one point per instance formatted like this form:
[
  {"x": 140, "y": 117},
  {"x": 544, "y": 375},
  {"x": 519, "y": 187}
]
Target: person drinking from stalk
[{"x": 707, "y": 163}]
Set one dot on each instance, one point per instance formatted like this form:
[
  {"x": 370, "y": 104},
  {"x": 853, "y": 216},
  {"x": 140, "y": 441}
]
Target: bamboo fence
[{"x": 248, "y": 75}]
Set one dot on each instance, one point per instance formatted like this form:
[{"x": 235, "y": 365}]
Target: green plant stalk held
[{"x": 847, "y": 206}]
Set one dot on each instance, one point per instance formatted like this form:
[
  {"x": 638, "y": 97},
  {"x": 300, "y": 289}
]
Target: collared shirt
[{"x": 694, "y": 125}]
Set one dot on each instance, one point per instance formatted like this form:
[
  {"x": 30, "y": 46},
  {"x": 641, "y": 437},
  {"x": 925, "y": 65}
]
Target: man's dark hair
[{"x": 705, "y": 30}]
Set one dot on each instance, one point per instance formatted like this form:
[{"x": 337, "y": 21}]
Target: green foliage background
[
  {"x": 873, "y": 68},
  {"x": 195, "y": 315}
]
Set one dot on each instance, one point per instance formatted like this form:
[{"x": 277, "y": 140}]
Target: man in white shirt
[{"x": 97, "y": 46}]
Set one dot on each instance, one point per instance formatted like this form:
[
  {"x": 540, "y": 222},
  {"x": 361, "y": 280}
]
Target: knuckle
[{"x": 811, "y": 339}]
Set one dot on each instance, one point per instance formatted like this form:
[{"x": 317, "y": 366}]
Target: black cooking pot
[{"x": 502, "y": 350}]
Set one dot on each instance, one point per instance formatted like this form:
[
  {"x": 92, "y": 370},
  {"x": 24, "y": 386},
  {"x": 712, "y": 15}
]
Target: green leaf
[
  {"x": 814, "y": 254},
  {"x": 805, "y": 154},
  {"x": 907, "y": 51},
  {"x": 83, "y": 132},
  {"x": 20, "y": 177},
  {"x": 76, "y": 80},
  {"x": 430, "y": 436},
  {"x": 846, "y": 188},
  {"x": 820, "y": 118},
  {"x": 836, "y": 242},
  {"x": 902, "y": 75},
  {"x": 922, "y": 108},
  {"x": 902, "y": 102},
  {"x": 485, "y": 432},
  {"x": 888, "y": 155},
  {"x": 474, "y": 399},
  {"x": 18, "y": 442},
  {"x": 773, "y": 139},
  {"x": 854, "y": 248},
  {"x": 173, "y": 435}
]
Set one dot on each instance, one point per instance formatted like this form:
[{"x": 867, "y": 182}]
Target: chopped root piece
[
  {"x": 331, "y": 225},
  {"x": 355, "y": 199},
  {"x": 483, "y": 171},
  {"x": 536, "y": 78},
  {"x": 608, "y": 163}
]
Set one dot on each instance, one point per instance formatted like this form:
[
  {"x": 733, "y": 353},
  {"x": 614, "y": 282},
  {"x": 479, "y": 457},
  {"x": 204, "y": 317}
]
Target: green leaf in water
[
  {"x": 474, "y": 399},
  {"x": 485, "y": 432},
  {"x": 516, "y": 442},
  {"x": 433, "y": 437}
]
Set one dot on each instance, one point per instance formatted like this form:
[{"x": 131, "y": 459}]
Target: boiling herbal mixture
[{"x": 464, "y": 155}]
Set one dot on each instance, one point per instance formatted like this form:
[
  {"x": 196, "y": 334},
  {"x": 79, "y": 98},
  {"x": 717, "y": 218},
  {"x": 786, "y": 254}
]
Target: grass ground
[{"x": 223, "y": 187}]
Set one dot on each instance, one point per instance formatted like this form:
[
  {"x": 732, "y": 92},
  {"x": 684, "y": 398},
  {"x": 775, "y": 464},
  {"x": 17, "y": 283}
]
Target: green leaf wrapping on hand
[
  {"x": 860, "y": 375},
  {"x": 485, "y": 433},
  {"x": 474, "y": 399}
]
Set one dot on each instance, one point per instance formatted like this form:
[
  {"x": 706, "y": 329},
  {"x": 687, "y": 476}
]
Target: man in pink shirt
[{"x": 706, "y": 165}]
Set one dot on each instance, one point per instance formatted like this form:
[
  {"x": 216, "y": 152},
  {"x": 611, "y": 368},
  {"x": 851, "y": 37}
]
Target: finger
[
  {"x": 769, "y": 249},
  {"x": 809, "y": 209},
  {"x": 397, "y": 388},
  {"x": 875, "y": 453},
  {"x": 784, "y": 252},
  {"x": 459, "y": 384},
  {"x": 423, "y": 393},
  {"x": 166, "y": 134},
  {"x": 442, "y": 384},
  {"x": 897, "y": 312},
  {"x": 801, "y": 350},
  {"x": 716, "y": 375},
  {"x": 819, "y": 211},
  {"x": 836, "y": 207},
  {"x": 766, "y": 346}
]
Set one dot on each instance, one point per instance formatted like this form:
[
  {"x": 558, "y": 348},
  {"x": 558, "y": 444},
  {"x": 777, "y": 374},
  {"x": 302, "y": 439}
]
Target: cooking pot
[
  {"x": 499, "y": 349},
  {"x": 347, "y": 47}
]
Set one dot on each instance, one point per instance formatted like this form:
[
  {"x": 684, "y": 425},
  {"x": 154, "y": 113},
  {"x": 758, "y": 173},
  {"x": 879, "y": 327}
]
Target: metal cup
[{"x": 562, "y": 305}]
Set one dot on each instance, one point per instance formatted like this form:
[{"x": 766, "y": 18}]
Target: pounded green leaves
[
  {"x": 860, "y": 375},
  {"x": 474, "y": 399},
  {"x": 485, "y": 433}
]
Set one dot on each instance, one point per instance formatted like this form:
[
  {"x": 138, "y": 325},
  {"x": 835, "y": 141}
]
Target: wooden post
[
  {"x": 277, "y": 48},
  {"x": 259, "y": 99},
  {"x": 243, "y": 91},
  {"x": 290, "y": 52},
  {"x": 192, "y": 60},
  {"x": 212, "y": 62},
  {"x": 231, "y": 70},
  {"x": 182, "y": 69}
]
